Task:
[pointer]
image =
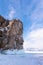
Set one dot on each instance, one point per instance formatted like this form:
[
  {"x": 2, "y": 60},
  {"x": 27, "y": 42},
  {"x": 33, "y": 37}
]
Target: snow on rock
[{"x": 13, "y": 52}]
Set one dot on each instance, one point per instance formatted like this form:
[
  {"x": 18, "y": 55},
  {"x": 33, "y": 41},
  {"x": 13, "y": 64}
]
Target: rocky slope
[{"x": 11, "y": 34}]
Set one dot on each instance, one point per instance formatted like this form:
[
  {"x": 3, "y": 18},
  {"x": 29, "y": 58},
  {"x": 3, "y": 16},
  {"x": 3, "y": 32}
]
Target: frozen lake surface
[{"x": 22, "y": 59}]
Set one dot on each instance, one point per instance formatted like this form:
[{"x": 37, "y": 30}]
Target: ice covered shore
[{"x": 21, "y": 58}]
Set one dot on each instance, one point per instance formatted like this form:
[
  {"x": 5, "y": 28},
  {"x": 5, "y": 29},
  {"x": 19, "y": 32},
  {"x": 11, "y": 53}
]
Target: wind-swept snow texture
[{"x": 21, "y": 59}]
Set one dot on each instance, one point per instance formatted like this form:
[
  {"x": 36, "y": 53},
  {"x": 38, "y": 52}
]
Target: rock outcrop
[{"x": 11, "y": 34}]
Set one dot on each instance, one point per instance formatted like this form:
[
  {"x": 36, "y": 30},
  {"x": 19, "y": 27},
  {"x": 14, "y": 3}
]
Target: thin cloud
[
  {"x": 34, "y": 37},
  {"x": 11, "y": 13},
  {"x": 37, "y": 13}
]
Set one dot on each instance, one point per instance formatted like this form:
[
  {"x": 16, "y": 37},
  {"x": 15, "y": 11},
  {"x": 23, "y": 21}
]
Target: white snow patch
[{"x": 10, "y": 52}]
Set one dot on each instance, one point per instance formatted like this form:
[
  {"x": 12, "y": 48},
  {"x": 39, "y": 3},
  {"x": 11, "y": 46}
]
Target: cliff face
[{"x": 11, "y": 34}]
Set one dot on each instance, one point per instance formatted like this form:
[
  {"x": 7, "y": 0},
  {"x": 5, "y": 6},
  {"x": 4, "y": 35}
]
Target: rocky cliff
[{"x": 11, "y": 34}]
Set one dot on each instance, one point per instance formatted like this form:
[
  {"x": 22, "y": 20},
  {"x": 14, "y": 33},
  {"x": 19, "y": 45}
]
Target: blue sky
[
  {"x": 16, "y": 9},
  {"x": 30, "y": 12}
]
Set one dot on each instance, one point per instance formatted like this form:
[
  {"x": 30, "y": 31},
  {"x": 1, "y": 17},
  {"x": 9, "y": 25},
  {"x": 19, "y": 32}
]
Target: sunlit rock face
[{"x": 11, "y": 34}]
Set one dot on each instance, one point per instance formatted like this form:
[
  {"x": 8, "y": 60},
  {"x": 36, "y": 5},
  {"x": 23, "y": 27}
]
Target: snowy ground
[{"x": 21, "y": 58}]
